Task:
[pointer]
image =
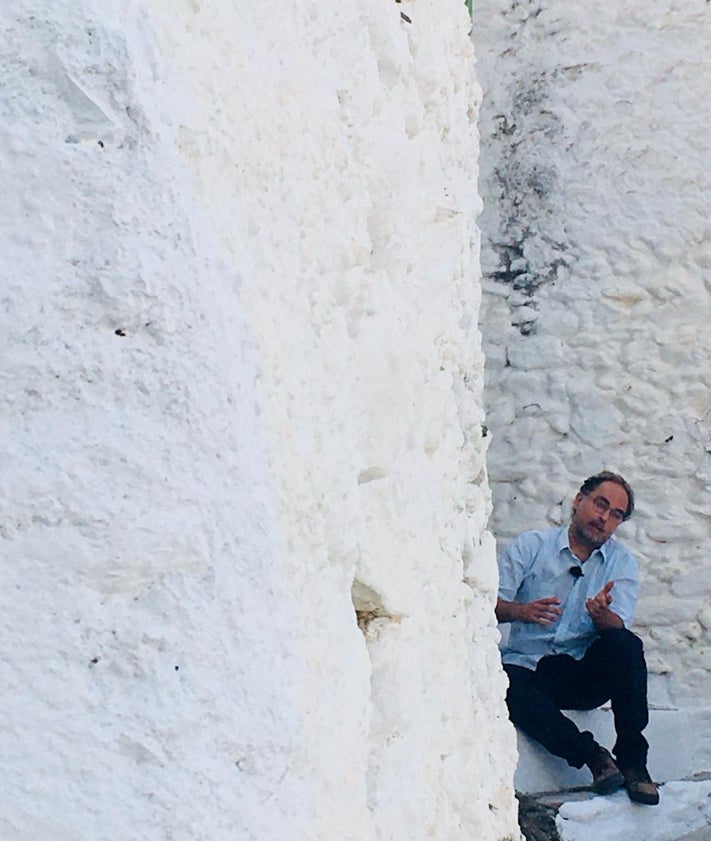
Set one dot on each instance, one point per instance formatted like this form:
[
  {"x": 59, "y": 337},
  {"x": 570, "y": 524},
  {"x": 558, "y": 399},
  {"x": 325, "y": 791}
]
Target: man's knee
[
  {"x": 623, "y": 638},
  {"x": 620, "y": 642},
  {"x": 519, "y": 678}
]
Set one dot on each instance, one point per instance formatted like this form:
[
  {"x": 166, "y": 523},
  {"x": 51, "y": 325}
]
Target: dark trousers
[{"x": 613, "y": 669}]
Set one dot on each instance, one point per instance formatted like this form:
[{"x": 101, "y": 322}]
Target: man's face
[{"x": 597, "y": 515}]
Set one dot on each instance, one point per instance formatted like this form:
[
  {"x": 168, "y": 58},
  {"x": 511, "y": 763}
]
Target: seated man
[{"x": 570, "y": 596}]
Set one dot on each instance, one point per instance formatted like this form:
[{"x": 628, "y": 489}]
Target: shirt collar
[{"x": 562, "y": 543}]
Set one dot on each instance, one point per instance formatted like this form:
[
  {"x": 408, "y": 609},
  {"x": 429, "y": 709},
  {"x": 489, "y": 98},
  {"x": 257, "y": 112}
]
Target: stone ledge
[{"x": 676, "y": 750}]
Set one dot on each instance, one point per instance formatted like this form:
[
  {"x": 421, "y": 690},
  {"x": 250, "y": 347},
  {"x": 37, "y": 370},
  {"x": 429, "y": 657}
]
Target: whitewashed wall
[
  {"x": 597, "y": 260},
  {"x": 242, "y": 408}
]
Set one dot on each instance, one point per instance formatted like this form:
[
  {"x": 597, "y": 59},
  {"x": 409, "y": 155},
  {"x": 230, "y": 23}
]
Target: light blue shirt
[{"x": 537, "y": 566}]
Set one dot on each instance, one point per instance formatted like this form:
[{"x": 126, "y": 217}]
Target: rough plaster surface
[
  {"x": 684, "y": 809},
  {"x": 242, "y": 410},
  {"x": 596, "y": 253}
]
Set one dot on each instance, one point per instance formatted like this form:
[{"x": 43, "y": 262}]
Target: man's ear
[{"x": 576, "y": 502}]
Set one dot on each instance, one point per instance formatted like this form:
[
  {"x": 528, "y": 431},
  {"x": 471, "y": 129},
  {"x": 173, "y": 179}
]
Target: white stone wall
[
  {"x": 596, "y": 253},
  {"x": 242, "y": 411}
]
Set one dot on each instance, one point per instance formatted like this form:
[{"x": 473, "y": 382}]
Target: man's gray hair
[{"x": 592, "y": 482}]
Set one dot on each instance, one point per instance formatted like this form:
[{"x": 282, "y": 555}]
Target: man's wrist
[
  {"x": 507, "y": 611},
  {"x": 607, "y": 620}
]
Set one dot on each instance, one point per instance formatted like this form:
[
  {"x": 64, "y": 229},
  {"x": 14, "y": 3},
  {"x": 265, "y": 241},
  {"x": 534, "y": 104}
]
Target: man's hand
[
  {"x": 598, "y": 604},
  {"x": 598, "y": 608},
  {"x": 540, "y": 612}
]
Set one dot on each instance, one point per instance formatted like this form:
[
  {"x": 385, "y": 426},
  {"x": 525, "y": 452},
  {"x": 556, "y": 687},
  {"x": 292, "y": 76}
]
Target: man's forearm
[{"x": 507, "y": 611}]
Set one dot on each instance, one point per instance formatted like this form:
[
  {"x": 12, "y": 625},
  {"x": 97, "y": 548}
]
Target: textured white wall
[
  {"x": 242, "y": 390},
  {"x": 596, "y": 252}
]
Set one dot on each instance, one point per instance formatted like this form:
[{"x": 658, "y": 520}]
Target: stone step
[{"x": 679, "y": 749}]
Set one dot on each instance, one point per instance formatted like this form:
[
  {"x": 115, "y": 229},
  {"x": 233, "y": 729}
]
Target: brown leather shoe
[
  {"x": 639, "y": 785},
  {"x": 607, "y": 777}
]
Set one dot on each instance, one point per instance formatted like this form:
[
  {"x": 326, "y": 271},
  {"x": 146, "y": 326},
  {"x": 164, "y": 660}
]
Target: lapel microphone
[{"x": 576, "y": 572}]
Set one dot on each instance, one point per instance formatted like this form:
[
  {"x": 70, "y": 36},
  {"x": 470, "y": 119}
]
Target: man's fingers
[
  {"x": 546, "y": 618},
  {"x": 604, "y": 594},
  {"x": 541, "y": 611},
  {"x": 549, "y": 602},
  {"x": 546, "y": 611},
  {"x": 603, "y": 598},
  {"x": 597, "y": 605}
]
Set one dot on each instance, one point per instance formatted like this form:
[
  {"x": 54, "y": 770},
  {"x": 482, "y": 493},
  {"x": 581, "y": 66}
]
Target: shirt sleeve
[
  {"x": 514, "y": 562},
  {"x": 626, "y": 590}
]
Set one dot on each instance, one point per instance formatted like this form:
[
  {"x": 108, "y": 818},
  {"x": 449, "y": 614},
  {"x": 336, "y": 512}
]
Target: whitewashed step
[{"x": 679, "y": 748}]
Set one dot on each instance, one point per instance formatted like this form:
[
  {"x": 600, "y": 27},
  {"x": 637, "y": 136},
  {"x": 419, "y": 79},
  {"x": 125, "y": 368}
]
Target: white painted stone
[
  {"x": 683, "y": 808},
  {"x": 242, "y": 374},
  {"x": 595, "y": 181},
  {"x": 679, "y": 745}
]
